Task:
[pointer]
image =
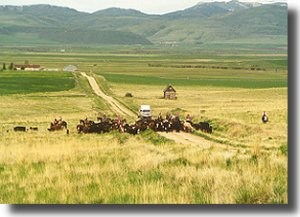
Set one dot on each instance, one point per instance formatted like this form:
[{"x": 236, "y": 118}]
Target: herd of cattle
[{"x": 105, "y": 125}]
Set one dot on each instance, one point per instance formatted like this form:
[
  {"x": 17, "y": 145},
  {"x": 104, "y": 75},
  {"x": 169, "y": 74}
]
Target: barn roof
[{"x": 169, "y": 88}]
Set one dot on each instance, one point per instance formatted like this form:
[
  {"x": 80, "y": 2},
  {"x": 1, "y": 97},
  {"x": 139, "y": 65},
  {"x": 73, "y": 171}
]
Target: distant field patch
[
  {"x": 20, "y": 82},
  {"x": 218, "y": 82}
]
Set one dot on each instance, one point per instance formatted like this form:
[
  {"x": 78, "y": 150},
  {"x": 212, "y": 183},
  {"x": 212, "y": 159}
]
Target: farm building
[
  {"x": 27, "y": 67},
  {"x": 170, "y": 92},
  {"x": 70, "y": 68}
]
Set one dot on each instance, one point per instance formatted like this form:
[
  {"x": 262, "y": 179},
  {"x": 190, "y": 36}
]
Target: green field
[
  {"x": 212, "y": 82},
  {"x": 20, "y": 82},
  {"x": 242, "y": 162}
]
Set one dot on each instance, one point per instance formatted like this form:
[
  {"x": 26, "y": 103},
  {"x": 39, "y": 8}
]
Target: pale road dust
[{"x": 183, "y": 138}]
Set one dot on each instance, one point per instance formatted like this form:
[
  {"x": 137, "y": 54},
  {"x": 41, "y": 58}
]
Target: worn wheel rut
[
  {"x": 115, "y": 105},
  {"x": 189, "y": 139}
]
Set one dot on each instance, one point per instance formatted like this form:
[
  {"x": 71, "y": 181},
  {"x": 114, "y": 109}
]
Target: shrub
[
  {"x": 284, "y": 149},
  {"x": 128, "y": 95}
]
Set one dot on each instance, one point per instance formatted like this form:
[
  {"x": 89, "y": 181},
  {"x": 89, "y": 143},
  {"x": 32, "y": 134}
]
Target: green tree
[
  {"x": 4, "y": 66},
  {"x": 11, "y": 66}
]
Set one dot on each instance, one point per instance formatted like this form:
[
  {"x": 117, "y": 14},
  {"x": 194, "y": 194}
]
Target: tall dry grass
[
  {"x": 38, "y": 167},
  {"x": 249, "y": 167}
]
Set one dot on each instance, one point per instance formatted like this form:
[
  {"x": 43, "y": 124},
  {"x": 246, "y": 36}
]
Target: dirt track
[
  {"x": 183, "y": 138},
  {"x": 115, "y": 105},
  {"x": 189, "y": 139}
]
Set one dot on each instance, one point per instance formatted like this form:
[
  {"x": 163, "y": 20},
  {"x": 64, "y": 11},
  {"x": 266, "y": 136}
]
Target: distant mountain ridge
[{"x": 214, "y": 22}]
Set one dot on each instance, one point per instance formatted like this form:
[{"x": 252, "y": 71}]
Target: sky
[{"x": 146, "y": 6}]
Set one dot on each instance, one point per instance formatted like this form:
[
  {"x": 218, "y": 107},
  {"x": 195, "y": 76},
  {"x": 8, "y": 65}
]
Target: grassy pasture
[
  {"x": 20, "y": 82},
  {"x": 244, "y": 160},
  {"x": 89, "y": 169},
  {"x": 222, "y": 81},
  {"x": 234, "y": 113}
]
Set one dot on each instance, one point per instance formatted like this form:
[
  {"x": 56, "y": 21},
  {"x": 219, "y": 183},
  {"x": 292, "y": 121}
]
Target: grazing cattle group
[{"x": 106, "y": 125}]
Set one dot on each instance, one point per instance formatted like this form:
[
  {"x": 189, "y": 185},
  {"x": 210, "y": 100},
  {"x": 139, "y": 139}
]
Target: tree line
[{"x": 10, "y": 67}]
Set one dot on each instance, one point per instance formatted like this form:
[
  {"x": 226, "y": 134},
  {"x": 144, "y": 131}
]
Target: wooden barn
[{"x": 170, "y": 92}]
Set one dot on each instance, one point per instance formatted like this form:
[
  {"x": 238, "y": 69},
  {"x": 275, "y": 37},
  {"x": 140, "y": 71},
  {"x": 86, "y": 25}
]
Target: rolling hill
[{"x": 215, "y": 22}]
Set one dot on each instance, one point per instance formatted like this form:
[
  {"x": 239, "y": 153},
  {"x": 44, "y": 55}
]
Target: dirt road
[
  {"x": 115, "y": 105},
  {"x": 183, "y": 138},
  {"x": 189, "y": 139}
]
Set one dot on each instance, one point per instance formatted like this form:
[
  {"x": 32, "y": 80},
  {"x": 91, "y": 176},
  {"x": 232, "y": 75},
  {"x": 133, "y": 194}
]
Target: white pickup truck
[{"x": 145, "y": 111}]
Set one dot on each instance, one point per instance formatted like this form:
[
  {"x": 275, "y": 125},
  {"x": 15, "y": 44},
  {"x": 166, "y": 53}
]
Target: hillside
[{"x": 216, "y": 22}]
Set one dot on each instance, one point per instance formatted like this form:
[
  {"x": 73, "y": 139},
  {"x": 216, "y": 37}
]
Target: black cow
[
  {"x": 176, "y": 124},
  {"x": 99, "y": 128},
  {"x": 196, "y": 126},
  {"x": 131, "y": 129},
  {"x": 34, "y": 128},
  {"x": 204, "y": 126},
  {"x": 159, "y": 125},
  {"x": 20, "y": 129},
  {"x": 87, "y": 126},
  {"x": 167, "y": 126}
]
